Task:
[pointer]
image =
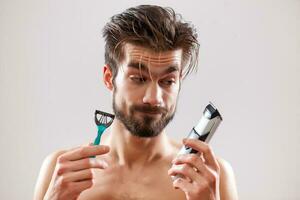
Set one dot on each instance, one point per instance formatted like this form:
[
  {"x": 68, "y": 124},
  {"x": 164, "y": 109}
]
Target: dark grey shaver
[{"x": 204, "y": 130}]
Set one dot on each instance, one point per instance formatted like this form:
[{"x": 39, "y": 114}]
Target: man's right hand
[{"x": 73, "y": 172}]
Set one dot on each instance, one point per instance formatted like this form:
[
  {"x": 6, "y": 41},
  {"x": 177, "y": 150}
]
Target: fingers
[
  {"x": 193, "y": 160},
  {"x": 196, "y": 164},
  {"x": 74, "y": 170},
  {"x": 184, "y": 170},
  {"x": 195, "y": 190},
  {"x": 82, "y": 185},
  {"x": 82, "y": 164},
  {"x": 200, "y": 171},
  {"x": 204, "y": 149},
  {"x": 88, "y": 163},
  {"x": 81, "y": 175},
  {"x": 183, "y": 184},
  {"x": 84, "y": 152}
]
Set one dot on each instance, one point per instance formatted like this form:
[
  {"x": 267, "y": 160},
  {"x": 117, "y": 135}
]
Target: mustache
[{"x": 149, "y": 109}]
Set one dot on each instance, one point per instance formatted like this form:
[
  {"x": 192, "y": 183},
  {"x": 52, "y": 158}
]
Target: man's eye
[
  {"x": 137, "y": 79},
  {"x": 168, "y": 82}
]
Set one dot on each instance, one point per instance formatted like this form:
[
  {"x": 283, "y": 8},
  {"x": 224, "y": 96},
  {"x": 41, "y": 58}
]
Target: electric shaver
[{"x": 204, "y": 130}]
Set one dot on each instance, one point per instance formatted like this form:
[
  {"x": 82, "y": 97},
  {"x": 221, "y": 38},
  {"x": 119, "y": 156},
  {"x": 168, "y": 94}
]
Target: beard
[{"x": 147, "y": 126}]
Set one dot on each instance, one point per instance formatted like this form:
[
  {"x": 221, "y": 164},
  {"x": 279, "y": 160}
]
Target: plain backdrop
[{"x": 51, "y": 58}]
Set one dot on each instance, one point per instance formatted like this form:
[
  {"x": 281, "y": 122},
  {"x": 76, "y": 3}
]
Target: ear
[{"x": 108, "y": 77}]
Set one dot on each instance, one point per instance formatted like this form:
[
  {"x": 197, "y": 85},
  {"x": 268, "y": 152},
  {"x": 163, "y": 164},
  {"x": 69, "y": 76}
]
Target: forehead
[{"x": 151, "y": 58}]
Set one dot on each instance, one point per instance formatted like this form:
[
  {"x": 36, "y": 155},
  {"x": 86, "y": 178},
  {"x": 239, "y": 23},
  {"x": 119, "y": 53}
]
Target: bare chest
[{"x": 117, "y": 184}]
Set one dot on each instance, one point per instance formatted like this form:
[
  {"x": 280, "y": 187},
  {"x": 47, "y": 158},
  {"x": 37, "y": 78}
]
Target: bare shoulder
[
  {"x": 45, "y": 174},
  {"x": 228, "y": 188}
]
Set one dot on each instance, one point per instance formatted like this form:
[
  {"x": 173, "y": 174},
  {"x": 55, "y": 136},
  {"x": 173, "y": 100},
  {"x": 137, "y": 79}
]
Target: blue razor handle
[{"x": 101, "y": 129}]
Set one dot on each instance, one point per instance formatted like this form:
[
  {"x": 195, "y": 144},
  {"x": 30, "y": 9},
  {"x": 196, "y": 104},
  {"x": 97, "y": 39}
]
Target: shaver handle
[
  {"x": 193, "y": 135},
  {"x": 204, "y": 130}
]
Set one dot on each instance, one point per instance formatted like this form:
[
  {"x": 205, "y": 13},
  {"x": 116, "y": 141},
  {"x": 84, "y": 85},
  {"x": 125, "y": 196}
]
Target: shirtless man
[{"x": 148, "y": 52}]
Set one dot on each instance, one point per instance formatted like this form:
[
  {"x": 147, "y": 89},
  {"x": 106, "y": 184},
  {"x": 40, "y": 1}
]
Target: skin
[{"x": 131, "y": 167}]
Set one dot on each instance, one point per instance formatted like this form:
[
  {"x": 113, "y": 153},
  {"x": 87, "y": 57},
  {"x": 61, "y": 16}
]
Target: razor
[{"x": 103, "y": 120}]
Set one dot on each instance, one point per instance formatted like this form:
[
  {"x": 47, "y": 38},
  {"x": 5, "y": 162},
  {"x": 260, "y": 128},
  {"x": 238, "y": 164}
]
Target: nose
[{"x": 153, "y": 95}]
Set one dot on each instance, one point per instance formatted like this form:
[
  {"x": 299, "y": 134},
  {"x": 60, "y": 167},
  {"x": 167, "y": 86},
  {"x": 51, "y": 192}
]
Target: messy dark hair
[{"x": 153, "y": 27}]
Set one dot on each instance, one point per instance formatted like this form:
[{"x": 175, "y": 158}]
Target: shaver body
[{"x": 204, "y": 130}]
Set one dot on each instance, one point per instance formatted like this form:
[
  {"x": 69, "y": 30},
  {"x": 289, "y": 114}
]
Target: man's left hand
[{"x": 199, "y": 173}]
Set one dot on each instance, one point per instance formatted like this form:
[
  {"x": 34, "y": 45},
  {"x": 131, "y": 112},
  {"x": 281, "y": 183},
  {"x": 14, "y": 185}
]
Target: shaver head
[
  {"x": 208, "y": 124},
  {"x": 211, "y": 111},
  {"x": 103, "y": 118}
]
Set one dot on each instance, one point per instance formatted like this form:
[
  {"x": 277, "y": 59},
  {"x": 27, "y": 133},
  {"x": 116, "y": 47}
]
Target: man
[{"x": 149, "y": 50}]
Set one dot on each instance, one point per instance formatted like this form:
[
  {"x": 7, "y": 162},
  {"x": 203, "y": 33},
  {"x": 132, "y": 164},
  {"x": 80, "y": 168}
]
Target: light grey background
[{"x": 51, "y": 54}]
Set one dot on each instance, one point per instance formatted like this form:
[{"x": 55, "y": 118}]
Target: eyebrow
[{"x": 143, "y": 67}]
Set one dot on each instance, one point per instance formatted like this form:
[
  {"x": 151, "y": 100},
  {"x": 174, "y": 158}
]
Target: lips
[
  {"x": 149, "y": 110},
  {"x": 151, "y": 113}
]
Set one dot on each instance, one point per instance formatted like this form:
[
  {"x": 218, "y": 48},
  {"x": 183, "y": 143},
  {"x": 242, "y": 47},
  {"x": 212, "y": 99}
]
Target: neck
[{"x": 131, "y": 150}]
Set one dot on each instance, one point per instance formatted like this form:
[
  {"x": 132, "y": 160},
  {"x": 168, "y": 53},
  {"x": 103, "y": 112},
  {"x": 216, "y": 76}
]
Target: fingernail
[
  {"x": 184, "y": 140},
  {"x": 104, "y": 147}
]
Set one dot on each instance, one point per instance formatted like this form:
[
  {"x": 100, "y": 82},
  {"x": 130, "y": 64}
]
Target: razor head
[{"x": 103, "y": 118}]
